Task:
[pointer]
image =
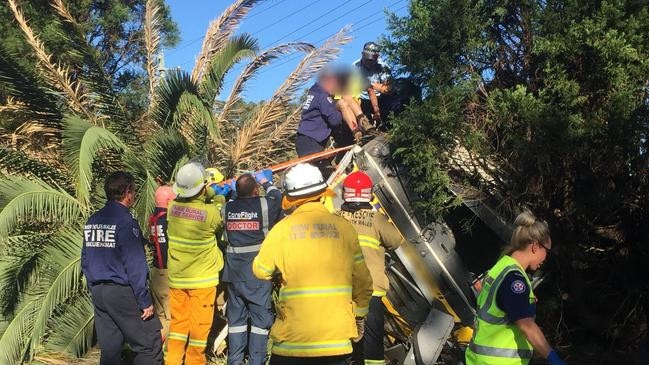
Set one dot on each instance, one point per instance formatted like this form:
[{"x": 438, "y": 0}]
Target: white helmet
[
  {"x": 303, "y": 179},
  {"x": 190, "y": 179}
]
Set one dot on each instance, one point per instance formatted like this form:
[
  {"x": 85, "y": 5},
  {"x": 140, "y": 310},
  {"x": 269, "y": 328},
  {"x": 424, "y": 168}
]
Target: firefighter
[
  {"x": 193, "y": 265},
  {"x": 247, "y": 221},
  {"x": 505, "y": 331},
  {"x": 158, "y": 239},
  {"x": 375, "y": 234},
  {"x": 114, "y": 264},
  {"x": 325, "y": 283}
]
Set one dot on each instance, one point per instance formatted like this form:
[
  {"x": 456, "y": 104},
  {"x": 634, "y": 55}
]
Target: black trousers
[
  {"x": 324, "y": 360},
  {"x": 305, "y": 145},
  {"x": 371, "y": 346},
  {"x": 117, "y": 319}
]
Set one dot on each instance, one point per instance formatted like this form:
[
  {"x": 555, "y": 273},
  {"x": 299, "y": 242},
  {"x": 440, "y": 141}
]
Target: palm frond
[
  {"x": 193, "y": 116},
  {"x": 18, "y": 264},
  {"x": 18, "y": 162},
  {"x": 280, "y": 140},
  {"x": 15, "y": 338},
  {"x": 163, "y": 151},
  {"x": 151, "y": 43},
  {"x": 168, "y": 94},
  {"x": 236, "y": 49},
  {"x": 34, "y": 201},
  {"x": 63, "y": 280},
  {"x": 82, "y": 143},
  {"x": 56, "y": 73},
  {"x": 110, "y": 112},
  {"x": 246, "y": 148},
  {"x": 71, "y": 328},
  {"x": 23, "y": 84},
  {"x": 260, "y": 61},
  {"x": 218, "y": 33}
]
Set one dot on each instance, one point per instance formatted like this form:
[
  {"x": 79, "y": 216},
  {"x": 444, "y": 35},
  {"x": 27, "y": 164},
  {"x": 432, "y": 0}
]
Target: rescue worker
[
  {"x": 247, "y": 221},
  {"x": 325, "y": 283},
  {"x": 114, "y": 264},
  {"x": 320, "y": 117},
  {"x": 375, "y": 234},
  {"x": 158, "y": 239},
  {"x": 378, "y": 98},
  {"x": 193, "y": 265},
  {"x": 505, "y": 331}
]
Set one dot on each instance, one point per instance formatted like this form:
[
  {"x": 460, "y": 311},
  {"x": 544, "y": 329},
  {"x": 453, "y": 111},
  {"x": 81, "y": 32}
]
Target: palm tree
[{"x": 66, "y": 130}]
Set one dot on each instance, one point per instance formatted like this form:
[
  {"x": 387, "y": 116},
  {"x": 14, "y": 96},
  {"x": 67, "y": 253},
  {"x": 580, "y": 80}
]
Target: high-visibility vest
[{"x": 496, "y": 340}]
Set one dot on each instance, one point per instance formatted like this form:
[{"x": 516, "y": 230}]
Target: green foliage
[{"x": 541, "y": 105}]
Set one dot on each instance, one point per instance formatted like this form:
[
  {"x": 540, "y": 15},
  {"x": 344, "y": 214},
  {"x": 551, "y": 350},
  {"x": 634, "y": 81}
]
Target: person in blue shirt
[
  {"x": 321, "y": 118},
  {"x": 114, "y": 264},
  {"x": 247, "y": 221}
]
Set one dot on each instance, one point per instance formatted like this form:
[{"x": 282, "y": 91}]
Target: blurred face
[
  {"x": 329, "y": 83},
  {"x": 539, "y": 252}
]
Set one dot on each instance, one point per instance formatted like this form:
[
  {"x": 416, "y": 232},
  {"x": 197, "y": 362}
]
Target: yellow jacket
[
  {"x": 325, "y": 282},
  {"x": 375, "y": 234},
  {"x": 194, "y": 260}
]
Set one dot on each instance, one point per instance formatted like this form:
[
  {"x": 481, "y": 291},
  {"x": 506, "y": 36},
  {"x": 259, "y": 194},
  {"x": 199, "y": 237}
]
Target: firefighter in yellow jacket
[
  {"x": 375, "y": 234},
  {"x": 326, "y": 286},
  {"x": 194, "y": 262}
]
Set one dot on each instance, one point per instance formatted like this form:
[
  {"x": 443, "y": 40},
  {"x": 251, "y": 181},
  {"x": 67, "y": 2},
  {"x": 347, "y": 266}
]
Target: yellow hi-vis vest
[
  {"x": 496, "y": 340},
  {"x": 194, "y": 260}
]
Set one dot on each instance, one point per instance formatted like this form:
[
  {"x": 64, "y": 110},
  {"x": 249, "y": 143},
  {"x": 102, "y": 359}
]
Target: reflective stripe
[
  {"x": 237, "y": 329},
  {"x": 323, "y": 291},
  {"x": 197, "y": 343},
  {"x": 264, "y": 215},
  {"x": 379, "y": 293},
  {"x": 367, "y": 241},
  {"x": 264, "y": 268},
  {"x": 374, "y": 362},
  {"x": 258, "y": 331},
  {"x": 243, "y": 249},
  {"x": 500, "y": 352},
  {"x": 361, "y": 311},
  {"x": 271, "y": 188},
  {"x": 483, "y": 312},
  {"x": 177, "y": 336},
  {"x": 180, "y": 242},
  {"x": 344, "y": 345},
  {"x": 358, "y": 258},
  {"x": 188, "y": 283}
]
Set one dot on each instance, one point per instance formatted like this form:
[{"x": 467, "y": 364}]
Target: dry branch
[{"x": 54, "y": 72}]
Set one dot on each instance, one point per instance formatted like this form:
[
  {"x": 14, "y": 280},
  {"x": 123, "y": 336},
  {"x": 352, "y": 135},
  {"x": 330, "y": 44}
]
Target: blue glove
[
  {"x": 554, "y": 359},
  {"x": 221, "y": 189},
  {"x": 263, "y": 174}
]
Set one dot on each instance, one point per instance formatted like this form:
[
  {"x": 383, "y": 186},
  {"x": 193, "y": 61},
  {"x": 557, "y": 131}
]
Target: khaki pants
[{"x": 160, "y": 294}]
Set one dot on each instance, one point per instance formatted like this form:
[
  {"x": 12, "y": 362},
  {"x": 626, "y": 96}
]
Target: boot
[{"x": 364, "y": 123}]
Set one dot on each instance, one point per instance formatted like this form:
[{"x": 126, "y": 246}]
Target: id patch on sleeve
[{"x": 518, "y": 286}]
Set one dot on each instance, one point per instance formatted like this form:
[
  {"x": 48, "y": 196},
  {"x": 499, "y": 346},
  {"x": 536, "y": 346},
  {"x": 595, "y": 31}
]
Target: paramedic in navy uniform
[{"x": 114, "y": 264}]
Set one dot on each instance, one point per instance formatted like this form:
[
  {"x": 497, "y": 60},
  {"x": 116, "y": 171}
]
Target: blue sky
[{"x": 274, "y": 22}]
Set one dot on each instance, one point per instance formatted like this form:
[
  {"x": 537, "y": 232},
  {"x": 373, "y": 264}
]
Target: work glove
[
  {"x": 358, "y": 136},
  {"x": 221, "y": 189},
  {"x": 554, "y": 359},
  {"x": 365, "y": 124},
  {"x": 376, "y": 117},
  {"x": 262, "y": 176},
  {"x": 360, "y": 328}
]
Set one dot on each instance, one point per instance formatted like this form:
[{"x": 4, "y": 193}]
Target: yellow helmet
[{"x": 214, "y": 176}]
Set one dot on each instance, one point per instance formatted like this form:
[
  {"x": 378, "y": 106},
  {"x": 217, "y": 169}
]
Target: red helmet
[{"x": 357, "y": 187}]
